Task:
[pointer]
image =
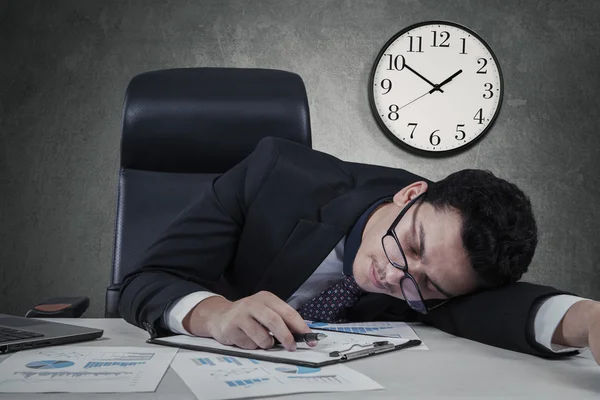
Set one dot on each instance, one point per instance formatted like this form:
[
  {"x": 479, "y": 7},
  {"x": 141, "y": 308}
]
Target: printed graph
[
  {"x": 293, "y": 369},
  {"x": 233, "y": 372},
  {"x": 125, "y": 356},
  {"x": 350, "y": 329},
  {"x": 49, "y": 364},
  {"x": 331, "y": 379},
  {"x": 76, "y": 375},
  {"x": 246, "y": 382},
  {"x": 96, "y": 364},
  {"x": 221, "y": 361}
]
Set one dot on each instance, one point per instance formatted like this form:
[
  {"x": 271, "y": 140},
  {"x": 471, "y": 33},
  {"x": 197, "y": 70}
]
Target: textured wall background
[{"x": 64, "y": 67}]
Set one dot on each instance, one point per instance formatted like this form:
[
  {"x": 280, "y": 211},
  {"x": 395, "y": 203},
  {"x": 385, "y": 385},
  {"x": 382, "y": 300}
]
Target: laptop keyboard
[{"x": 8, "y": 334}]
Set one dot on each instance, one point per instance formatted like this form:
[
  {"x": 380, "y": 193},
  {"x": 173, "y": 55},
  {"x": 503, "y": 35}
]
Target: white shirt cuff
[
  {"x": 176, "y": 312},
  {"x": 551, "y": 311}
]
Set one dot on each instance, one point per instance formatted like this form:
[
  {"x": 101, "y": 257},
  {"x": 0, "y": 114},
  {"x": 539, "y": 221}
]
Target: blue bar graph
[
  {"x": 230, "y": 361},
  {"x": 204, "y": 361},
  {"x": 245, "y": 382},
  {"x": 96, "y": 364},
  {"x": 351, "y": 329}
]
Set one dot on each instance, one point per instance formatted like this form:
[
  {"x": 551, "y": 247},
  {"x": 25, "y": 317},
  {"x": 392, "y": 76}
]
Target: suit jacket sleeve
[
  {"x": 195, "y": 251},
  {"x": 501, "y": 317}
]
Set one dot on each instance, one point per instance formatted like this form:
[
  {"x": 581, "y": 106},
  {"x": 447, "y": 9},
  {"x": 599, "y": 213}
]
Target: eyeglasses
[{"x": 395, "y": 255}]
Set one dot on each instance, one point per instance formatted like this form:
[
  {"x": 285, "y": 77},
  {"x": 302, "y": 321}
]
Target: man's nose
[{"x": 393, "y": 275}]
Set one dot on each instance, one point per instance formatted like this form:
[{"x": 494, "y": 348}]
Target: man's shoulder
[{"x": 272, "y": 151}]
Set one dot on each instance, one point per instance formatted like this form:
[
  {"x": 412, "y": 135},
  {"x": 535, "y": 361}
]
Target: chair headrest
[{"x": 209, "y": 119}]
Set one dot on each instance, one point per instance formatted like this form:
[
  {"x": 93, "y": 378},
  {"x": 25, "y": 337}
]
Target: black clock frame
[{"x": 390, "y": 135}]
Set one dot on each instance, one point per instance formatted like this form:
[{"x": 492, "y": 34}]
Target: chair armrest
[
  {"x": 111, "y": 308},
  {"x": 60, "y": 307}
]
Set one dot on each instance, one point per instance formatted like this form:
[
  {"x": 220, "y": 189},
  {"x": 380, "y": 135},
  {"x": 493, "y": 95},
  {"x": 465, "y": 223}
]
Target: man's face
[{"x": 431, "y": 243}]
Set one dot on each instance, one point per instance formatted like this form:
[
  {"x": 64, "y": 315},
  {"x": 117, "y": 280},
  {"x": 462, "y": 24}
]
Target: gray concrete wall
[{"x": 64, "y": 66}]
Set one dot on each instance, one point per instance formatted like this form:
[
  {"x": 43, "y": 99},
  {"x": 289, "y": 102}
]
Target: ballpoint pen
[{"x": 305, "y": 337}]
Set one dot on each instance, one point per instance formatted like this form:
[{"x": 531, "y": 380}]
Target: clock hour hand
[
  {"x": 435, "y": 87},
  {"x": 454, "y": 75}
]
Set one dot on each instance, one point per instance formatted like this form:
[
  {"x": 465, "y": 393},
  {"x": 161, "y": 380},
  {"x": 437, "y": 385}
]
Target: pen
[{"x": 305, "y": 337}]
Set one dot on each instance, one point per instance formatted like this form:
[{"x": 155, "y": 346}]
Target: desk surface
[{"x": 453, "y": 367}]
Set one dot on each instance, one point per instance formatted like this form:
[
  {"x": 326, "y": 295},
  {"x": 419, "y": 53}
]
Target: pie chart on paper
[
  {"x": 49, "y": 364},
  {"x": 292, "y": 369}
]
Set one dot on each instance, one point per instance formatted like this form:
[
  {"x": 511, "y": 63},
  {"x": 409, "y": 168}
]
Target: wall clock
[{"x": 436, "y": 87}]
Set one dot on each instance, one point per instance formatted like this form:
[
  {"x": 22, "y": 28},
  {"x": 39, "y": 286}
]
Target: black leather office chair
[{"x": 183, "y": 127}]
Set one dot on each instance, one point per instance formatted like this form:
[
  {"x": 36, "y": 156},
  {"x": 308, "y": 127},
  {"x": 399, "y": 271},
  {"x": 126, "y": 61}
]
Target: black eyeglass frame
[{"x": 407, "y": 275}]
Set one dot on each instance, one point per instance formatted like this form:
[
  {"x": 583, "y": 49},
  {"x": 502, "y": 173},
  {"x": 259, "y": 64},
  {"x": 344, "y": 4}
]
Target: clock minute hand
[
  {"x": 454, "y": 75},
  {"x": 435, "y": 87}
]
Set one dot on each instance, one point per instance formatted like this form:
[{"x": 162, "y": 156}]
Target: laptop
[{"x": 18, "y": 333}]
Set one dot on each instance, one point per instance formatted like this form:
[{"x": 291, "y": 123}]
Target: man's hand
[
  {"x": 594, "y": 332},
  {"x": 246, "y": 323},
  {"x": 580, "y": 327}
]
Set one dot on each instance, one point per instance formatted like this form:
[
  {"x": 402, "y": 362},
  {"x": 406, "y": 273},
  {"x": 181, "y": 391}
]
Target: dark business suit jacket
[{"x": 269, "y": 222}]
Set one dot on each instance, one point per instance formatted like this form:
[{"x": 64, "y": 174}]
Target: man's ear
[{"x": 409, "y": 192}]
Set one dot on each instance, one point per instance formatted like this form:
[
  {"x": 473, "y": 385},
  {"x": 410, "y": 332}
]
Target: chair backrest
[{"x": 183, "y": 127}]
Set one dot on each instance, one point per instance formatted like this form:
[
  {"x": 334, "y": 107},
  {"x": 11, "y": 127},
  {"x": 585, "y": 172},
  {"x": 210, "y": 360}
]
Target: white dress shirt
[{"x": 549, "y": 314}]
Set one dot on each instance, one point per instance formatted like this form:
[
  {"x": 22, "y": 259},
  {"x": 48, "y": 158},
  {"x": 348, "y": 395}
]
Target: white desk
[{"x": 453, "y": 367}]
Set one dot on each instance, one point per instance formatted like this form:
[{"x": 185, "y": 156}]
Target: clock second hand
[{"x": 425, "y": 94}]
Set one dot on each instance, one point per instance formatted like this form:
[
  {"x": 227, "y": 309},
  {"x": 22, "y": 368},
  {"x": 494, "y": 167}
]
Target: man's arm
[
  {"x": 193, "y": 253},
  {"x": 502, "y": 317}
]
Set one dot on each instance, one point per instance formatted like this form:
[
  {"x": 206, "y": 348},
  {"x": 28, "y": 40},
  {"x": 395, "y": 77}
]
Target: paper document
[
  {"x": 385, "y": 328},
  {"x": 90, "y": 369},
  {"x": 212, "y": 377},
  {"x": 335, "y": 341}
]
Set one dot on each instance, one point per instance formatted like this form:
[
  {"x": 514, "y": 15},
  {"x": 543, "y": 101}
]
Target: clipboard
[{"x": 365, "y": 346}]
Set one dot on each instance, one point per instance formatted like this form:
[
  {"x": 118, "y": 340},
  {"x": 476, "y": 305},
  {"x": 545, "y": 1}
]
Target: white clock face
[{"x": 436, "y": 87}]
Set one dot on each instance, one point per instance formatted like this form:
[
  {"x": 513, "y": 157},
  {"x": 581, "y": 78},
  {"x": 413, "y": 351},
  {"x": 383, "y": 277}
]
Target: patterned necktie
[{"x": 329, "y": 304}]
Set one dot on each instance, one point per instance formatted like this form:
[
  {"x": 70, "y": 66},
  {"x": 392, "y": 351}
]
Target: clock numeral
[
  {"x": 437, "y": 138},
  {"x": 479, "y": 116},
  {"x": 464, "y": 44},
  {"x": 443, "y": 44},
  {"x": 394, "y": 62},
  {"x": 420, "y": 40},
  {"x": 461, "y": 131},
  {"x": 393, "y": 115},
  {"x": 484, "y": 62},
  {"x": 389, "y": 85},
  {"x": 488, "y": 90},
  {"x": 414, "y": 124}
]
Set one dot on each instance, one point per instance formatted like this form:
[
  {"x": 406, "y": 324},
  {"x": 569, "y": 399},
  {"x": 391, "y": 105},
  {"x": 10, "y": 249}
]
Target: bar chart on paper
[
  {"x": 390, "y": 329},
  {"x": 351, "y": 328},
  {"x": 72, "y": 369},
  {"x": 223, "y": 361},
  {"x": 212, "y": 377}
]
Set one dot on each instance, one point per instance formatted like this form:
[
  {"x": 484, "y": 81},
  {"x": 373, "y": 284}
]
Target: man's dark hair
[{"x": 498, "y": 232}]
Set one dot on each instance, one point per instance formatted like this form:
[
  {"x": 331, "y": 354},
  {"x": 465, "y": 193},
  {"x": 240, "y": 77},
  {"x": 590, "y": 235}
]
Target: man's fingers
[
  {"x": 257, "y": 333},
  {"x": 291, "y": 318},
  {"x": 241, "y": 339},
  {"x": 275, "y": 323}
]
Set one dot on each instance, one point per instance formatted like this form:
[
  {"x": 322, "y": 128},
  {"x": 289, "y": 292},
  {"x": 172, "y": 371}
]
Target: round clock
[{"x": 436, "y": 87}]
